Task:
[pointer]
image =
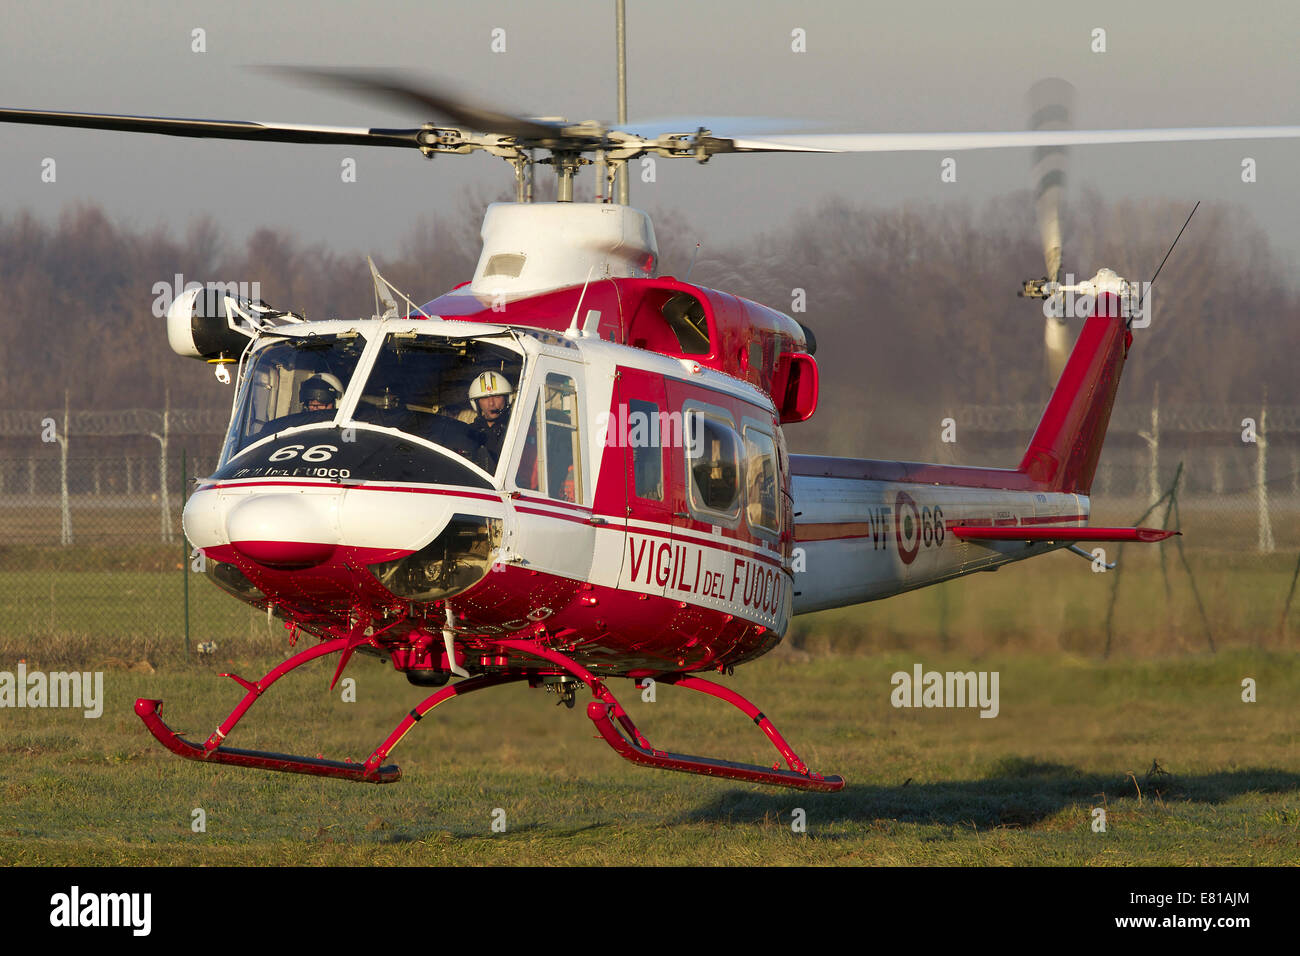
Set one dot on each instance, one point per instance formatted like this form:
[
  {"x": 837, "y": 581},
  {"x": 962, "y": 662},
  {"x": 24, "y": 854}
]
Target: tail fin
[{"x": 1062, "y": 455}]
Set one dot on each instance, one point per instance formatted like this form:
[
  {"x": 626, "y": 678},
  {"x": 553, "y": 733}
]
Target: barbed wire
[
  {"x": 117, "y": 422},
  {"x": 1132, "y": 418}
]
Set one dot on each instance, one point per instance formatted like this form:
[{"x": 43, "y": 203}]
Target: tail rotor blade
[
  {"x": 1056, "y": 339},
  {"x": 1051, "y": 103}
]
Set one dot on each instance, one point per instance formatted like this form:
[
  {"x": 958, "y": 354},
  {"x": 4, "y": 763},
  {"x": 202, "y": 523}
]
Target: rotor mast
[{"x": 620, "y": 30}]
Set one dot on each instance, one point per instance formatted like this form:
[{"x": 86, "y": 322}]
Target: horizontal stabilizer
[{"x": 1007, "y": 533}]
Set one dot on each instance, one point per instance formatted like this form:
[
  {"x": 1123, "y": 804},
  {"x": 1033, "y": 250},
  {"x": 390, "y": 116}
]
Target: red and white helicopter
[{"x": 570, "y": 468}]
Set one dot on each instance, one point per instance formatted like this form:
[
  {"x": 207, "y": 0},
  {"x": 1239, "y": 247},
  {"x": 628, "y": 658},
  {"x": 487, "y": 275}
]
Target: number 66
[{"x": 314, "y": 453}]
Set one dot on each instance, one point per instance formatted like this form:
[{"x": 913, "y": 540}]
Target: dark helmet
[{"x": 322, "y": 387}]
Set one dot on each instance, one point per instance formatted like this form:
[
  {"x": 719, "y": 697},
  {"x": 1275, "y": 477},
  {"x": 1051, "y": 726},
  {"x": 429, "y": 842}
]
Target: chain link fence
[
  {"x": 91, "y": 546},
  {"x": 93, "y": 557}
]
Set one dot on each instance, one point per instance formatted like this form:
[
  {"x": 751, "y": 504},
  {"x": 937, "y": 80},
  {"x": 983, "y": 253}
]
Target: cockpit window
[
  {"x": 298, "y": 381},
  {"x": 458, "y": 394}
]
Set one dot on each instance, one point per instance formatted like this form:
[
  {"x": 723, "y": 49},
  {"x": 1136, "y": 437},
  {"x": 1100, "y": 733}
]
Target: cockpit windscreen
[
  {"x": 298, "y": 381},
  {"x": 458, "y": 394}
]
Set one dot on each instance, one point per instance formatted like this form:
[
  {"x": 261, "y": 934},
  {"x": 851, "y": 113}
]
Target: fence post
[
  {"x": 1152, "y": 439},
  {"x": 1261, "y": 476},
  {"x": 165, "y": 528},
  {"x": 65, "y": 509},
  {"x": 185, "y": 551}
]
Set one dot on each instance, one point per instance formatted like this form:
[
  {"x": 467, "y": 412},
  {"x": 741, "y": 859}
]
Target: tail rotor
[{"x": 1051, "y": 104}]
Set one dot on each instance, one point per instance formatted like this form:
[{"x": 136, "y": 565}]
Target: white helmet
[{"x": 489, "y": 383}]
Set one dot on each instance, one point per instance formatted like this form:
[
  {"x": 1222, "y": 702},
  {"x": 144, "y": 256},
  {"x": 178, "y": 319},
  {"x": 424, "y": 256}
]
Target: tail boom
[{"x": 870, "y": 529}]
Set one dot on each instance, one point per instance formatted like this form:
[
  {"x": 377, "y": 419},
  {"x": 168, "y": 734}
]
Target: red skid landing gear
[
  {"x": 213, "y": 752},
  {"x": 371, "y": 771},
  {"x": 605, "y": 712},
  {"x": 148, "y": 712},
  {"x": 627, "y": 741}
]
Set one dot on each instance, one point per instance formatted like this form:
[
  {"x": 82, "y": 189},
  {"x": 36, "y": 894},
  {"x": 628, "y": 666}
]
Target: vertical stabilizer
[{"x": 1062, "y": 455}]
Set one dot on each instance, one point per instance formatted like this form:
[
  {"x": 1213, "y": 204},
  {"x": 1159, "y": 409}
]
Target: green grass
[
  {"x": 1055, "y": 604},
  {"x": 1076, "y": 731},
  {"x": 925, "y": 786}
]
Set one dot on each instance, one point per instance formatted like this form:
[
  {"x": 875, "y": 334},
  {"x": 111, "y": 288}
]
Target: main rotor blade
[
  {"x": 654, "y": 126},
  {"x": 218, "y": 129},
  {"x": 933, "y": 142},
  {"x": 396, "y": 90}
]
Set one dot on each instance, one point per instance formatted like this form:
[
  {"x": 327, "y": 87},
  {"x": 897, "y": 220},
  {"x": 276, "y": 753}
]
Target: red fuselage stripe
[
  {"x": 553, "y": 504},
  {"x": 352, "y": 487},
  {"x": 849, "y": 530},
  {"x": 832, "y": 531},
  {"x": 553, "y": 514}
]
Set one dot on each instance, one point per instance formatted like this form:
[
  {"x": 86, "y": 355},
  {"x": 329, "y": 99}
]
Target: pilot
[
  {"x": 490, "y": 396},
  {"x": 320, "y": 393}
]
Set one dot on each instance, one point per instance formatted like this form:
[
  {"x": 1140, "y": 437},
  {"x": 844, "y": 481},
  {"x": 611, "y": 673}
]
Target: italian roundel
[{"x": 907, "y": 527}]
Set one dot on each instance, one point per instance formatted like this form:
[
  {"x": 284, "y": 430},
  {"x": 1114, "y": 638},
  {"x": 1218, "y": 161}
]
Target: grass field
[
  {"x": 925, "y": 786},
  {"x": 1156, "y": 734}
]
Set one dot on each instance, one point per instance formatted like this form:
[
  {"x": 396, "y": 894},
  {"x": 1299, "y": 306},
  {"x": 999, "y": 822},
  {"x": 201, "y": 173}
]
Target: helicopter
[{"x": 572, "y": 468}]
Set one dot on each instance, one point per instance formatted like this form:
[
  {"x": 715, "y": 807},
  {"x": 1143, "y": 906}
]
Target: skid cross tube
[
  {"x": 630, "y": 744},
  {"x": 257, "y": 690},
  {"x": 372, "y": 771},
  {"x": 748, "y": 709},
  {"x": 433, "y": 700}
]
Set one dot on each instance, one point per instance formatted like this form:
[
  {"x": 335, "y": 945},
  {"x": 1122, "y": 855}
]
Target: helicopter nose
[{"x": 284, "y": 531}]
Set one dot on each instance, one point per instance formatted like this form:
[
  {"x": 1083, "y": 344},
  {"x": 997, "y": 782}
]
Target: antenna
[
  {"x": 1167, "y": 255},
  {"x": 385, "y": 290},
  {"x": 620, "y": 30},
  {"x": 691, "y": 267},
  {"x": 573, "y": 324}
]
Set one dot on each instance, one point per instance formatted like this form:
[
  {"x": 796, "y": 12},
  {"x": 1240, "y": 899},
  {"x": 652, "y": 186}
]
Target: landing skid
[
  {"x": 260, "y": 760},
  {"x": 617, "y": 729},
  {"x": 611, "y": 720}
]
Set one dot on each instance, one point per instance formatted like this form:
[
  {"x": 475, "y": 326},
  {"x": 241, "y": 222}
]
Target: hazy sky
[{"x": 896, "y": 66}]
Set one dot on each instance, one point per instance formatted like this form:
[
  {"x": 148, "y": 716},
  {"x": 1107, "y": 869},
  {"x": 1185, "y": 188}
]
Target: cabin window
[
  {"x": 505, "y": 264},
  {"x": 551, "y": 462},
  {"x": 713, "y": 468},
  {"x": 297, "y": 381},
  {"x": 527, "y": 475},
  {"x": 761, "y": 482},
  {"x": 647, "y": 449},
  {"x": 685, "y": 316}
]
